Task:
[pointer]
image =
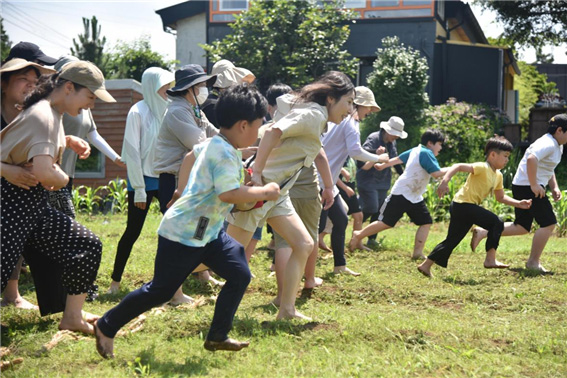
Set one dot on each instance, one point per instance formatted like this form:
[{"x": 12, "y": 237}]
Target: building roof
[
  {"x": 170, "y": 15},
  {"x": 466, "y": 20}
]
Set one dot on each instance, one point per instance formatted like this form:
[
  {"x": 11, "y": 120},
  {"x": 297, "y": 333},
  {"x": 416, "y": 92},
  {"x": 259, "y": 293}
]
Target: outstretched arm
[
  {"x": 322, "y": 164},
  {"x": 444, "y": 185},
  {"x": 507, "y": 200}
]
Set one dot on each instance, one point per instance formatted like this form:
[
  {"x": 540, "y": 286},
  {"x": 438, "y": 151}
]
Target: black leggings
[
  {"x": 463, "y": 217},
  {"x": 136, "y": 219},
  {"x": 339, "y": 217}
]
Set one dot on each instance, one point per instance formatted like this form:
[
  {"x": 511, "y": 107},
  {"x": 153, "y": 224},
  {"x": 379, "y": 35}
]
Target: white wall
[{"x": 190, "y": 33}]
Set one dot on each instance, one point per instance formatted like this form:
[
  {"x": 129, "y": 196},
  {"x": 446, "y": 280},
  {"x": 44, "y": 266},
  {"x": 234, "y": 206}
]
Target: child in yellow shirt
[{"x": 484, "y": 178}]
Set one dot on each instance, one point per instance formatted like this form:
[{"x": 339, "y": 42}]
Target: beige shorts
[
  {"x": 309, "y": 210},
  {"x": 250, "y": 220}
]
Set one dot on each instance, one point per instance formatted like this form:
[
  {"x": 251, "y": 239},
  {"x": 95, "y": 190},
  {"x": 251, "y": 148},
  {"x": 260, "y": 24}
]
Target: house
[
  {"x": 110, "y": 118},
  {"x": 462, "y": 63}
]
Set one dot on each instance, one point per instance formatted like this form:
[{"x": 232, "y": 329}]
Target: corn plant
[
  {"x": 77, "y": 198},
  {"x": 504, "y": 212},
  {"x": 90, "y": 200},
  {"x": 560, "y": 208},
  {"x": 118, "y": 195}
]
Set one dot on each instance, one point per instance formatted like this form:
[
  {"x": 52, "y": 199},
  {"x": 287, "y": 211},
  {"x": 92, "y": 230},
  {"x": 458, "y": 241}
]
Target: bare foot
[
  {"x": 104, "y": 345},
  {"x": 361, "y": 246},
  {"x": 537, "y": 267},
  {"x": 315, "y": 282},
  {"x": 344, "y": 269},
  {"x": 90, "y": 318},
  {"x": 213, "y": 281},
  {"x": 425, "y": 271},
  {"x": 495, "y": 265},
  {"x": 276, "y": 301},
  {"x": 324, "y": 246},
  {"x": 477, "y": 235},
  {"x": 180, "y": 299},
  {"x": 114, "y": 288},
  {"x": 419, "y": 256},
  {"x": 292, "y": 315},
  {"x": 76, "y": 326},
  {"x": 355, "y": 241},
  {"x": 19, "y": 302}
]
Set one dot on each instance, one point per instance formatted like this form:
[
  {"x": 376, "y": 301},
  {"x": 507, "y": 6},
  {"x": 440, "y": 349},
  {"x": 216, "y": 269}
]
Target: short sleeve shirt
[
  {"x": 35, "y": 131},
  {"x": 79, "y": 126},
  {"x": 196, "y": 218},
  {"x": 548, "y": 153},
  {"x": 427, "y": 159},
  {"x": 482, "y": 182}
]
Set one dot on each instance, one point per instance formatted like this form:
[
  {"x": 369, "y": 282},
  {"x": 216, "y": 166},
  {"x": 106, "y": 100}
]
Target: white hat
[
  {"x": 394, "y": 126},
  {"x": 365, "y": 97},
  {"x": 228, "y": 74}
]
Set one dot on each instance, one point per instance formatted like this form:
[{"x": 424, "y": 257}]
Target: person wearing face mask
[{"x": 142, "y": 127}]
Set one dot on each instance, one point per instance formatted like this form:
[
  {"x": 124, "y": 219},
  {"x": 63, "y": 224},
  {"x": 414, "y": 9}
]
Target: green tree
[
  {"x": 130, "y": 60},
  {"x": 532, "y": 23},
  {"x": 6, "y": 44},
  {"x": 291, "y": 42},
  {"x": 90, "y": 44},
  {"x": 398, "y": 81}
]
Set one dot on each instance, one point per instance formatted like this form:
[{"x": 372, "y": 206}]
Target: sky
[{"x": 53, "y": 24}]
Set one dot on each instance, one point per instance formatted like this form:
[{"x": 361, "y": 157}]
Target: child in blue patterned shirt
[{"x": 191, "y": 231}]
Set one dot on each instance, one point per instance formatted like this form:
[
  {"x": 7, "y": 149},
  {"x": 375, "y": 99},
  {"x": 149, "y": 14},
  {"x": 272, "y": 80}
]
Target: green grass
[{"x": 389, "y": 322}]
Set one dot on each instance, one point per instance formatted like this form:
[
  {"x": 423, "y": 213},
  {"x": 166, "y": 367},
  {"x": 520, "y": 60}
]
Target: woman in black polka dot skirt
[{"x": 36, "y": 136}]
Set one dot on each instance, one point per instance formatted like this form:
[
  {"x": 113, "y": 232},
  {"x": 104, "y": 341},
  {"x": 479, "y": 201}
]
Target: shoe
[
  {"x": 373, "y": 244},
  {"x": 228, "y": 344}
]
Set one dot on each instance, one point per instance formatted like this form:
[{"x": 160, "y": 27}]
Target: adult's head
[
  {"x": 273, "y": 92},
  {"x": 228, "y": 74},
  {"x": 335, "y": 91},
  {"x": 155, "y": 82},
  {"x": 191, "y": 82},
  {"x": 394, "y": 129},
  {"x": 365, "y": 102},
  {"x": 63, "y": 60},
  {"x": 73, "y": 89},
  {"x": 30, "y": 52}
]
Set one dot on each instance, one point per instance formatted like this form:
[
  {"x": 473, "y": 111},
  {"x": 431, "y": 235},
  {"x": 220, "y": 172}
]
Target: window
[
  {"x": 233, "y": 5},
  {"x": 355, "y": 4},
  {"x": 91, "y": 167}
]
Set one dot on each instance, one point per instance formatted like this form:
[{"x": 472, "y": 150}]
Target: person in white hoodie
[{"x": 142, "y": 128}]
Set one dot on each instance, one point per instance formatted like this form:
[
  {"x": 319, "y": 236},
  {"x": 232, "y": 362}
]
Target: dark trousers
[
  {"x": 167, "y": 185},
  {"x": 339, "y": 217},
  {"x": 136, "y": 219},
  {"x": 174, "y": 262},
  {"x": 382, "y": 194},
  {"x": 463, "y": 217}
]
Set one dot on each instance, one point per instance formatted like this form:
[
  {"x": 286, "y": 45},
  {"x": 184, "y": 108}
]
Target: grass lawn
[{"x": 389, "y": 322}]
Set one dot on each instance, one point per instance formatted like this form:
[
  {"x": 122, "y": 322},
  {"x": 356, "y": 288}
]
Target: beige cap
[
  {"x": 394, "y": 126},
  {"x": 365, "y": 97},
  {"x": 88, "y": 75},
  {"x": 228, "y": 74},
  {"x": 17, "y": 64}
]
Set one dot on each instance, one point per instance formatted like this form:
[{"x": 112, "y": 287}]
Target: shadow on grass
[
  {"x": 151, "y": 363},
  {"x": 524, "y": 272},
  {"x": 462, "y": 282},
  {"x": 24, "y": 322}
]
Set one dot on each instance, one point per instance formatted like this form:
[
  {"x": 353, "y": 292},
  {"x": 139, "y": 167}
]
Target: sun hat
[
  {"x": 394, "y": 126},
  {"x": 365, "y": 97},
  {"x": 228, "y": 74},
  {"x": 88, "y": 75},
  {"x": 559, "y": 120},
  {"x": 63, "y": 60},
  {"x": 31, "y": 52},
  {"x": 190, "y": 75},
  {"x": 17, "y": 64}
]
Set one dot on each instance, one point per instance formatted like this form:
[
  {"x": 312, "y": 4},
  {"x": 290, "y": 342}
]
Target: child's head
[
  {"x": 244, "y": 106},
  {"x": 275, "y": 91},
  {"x": 497, "y": 151},
  {"x": 433, "y": 139},
  {"x": 558, "y": 128},
  {"x": 335, "y": 91}
]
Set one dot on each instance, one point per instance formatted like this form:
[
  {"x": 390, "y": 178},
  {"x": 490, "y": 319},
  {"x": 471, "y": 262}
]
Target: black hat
[
  {"x": 559, "y": 120},
  {"x": 30, "y": 52},
  {"x": 190, "y": 75}
]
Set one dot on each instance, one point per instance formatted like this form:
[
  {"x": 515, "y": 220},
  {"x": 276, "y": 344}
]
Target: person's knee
[{"x": 303, "y": 246}]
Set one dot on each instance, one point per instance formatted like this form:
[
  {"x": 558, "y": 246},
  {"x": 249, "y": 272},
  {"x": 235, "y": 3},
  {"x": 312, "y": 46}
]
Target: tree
[
  {"x": 532, "y": 23},
  {"x": 130, "y": 60},
  {"x": 398, "y": 81},
  {"x": 292, "y": 42},
  {"x": 90, "y": 45},
  {"x": 5, "y": 41}
]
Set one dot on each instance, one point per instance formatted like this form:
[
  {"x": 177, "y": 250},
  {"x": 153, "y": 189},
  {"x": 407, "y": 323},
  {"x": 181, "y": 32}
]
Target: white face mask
[{"x": 202, "y": 95}]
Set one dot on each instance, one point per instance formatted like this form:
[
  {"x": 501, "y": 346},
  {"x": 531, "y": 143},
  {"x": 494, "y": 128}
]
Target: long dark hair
[
  {"x": 46, "y": 85},
  {"x": 333, "y": 83}
]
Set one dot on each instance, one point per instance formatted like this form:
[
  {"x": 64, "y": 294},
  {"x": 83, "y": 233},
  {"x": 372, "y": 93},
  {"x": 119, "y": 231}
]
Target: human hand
[
  {"x": 174, "y": 198},
  {"x": 442, "y": 189},
  {"x": 346, "y": 175},
  {"x": 327, "y": 198},
  {"x": 538, "y": 190},
  {"x": 140, "y": 205},
  {"x": 525, "y": 204},
  {"x": 349, "y": 191},
  {"x": 271, "y": 191},
  {"x": 380, "y": 166},
  {"x": 118, "y": 161},
  {"x": 79, "y": 146},
  {"x": 380, "y": 150},
  {"x": 19, "y": 176},
  {"x": 556, "y": 194}
]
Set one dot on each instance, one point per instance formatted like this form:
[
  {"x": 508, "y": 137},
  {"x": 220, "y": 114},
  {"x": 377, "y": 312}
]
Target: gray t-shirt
[{"x": 79, "y": 126}]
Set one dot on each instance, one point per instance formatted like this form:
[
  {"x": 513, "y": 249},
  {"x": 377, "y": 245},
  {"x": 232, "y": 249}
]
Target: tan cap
[
  {"x": 228, "y": 74},
  {"x": 17, "y": 64},
  {"x": 394, "y": 126},
  {"x": 88, "y": 75},
  {"x": 365, "y": 97}
]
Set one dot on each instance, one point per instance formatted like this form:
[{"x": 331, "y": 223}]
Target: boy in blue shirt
[
  {"x": 407, "y": 193},
  {"x": 191, "y": 230}
]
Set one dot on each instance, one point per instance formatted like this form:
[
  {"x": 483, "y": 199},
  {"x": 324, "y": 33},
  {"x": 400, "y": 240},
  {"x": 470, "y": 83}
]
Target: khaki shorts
[
  {"x": 309, "y": 210},
  {"x": 250, "y": 220}
]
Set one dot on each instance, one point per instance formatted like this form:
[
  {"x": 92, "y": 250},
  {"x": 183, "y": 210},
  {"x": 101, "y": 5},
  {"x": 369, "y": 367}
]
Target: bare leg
[
  {"x": 357, "y": 226},
  {"x": 239, "y": 234},
  {"x": 114, "y": 287},
  {"x": 371, "y": 229},
  {"x": 72, "y": 316},
  {"x": 179, "y": 297},
  {"x": 419, "y": 243},
  {"x": 322, "y": 244},
  {"x": 539, "y": 241},
  {"x": 510, "y": 229},
  {"x": 490, "y": 261},
  {"x": 291, "y": 228},
  {"x": 11, "y": 297},
  {"x": 311, "y": 280},
  {"x": 425, "y": 268},
  {"x": 250, "y": 249},
  {"x": 282, "y": 257}
]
